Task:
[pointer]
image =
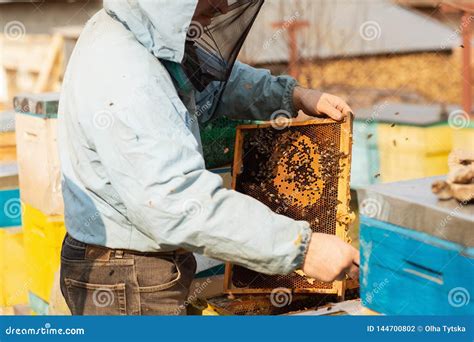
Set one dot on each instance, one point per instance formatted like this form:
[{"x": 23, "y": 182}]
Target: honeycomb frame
[{"x": 339, "y": 134}]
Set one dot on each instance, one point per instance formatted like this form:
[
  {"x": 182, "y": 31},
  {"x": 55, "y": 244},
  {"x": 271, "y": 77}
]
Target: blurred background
[{"x": 405, "y": 67}]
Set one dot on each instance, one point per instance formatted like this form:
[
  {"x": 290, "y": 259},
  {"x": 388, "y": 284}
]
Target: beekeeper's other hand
[
  {"x": 315, "y": 103},
  {"x": 329, "y": 258}
]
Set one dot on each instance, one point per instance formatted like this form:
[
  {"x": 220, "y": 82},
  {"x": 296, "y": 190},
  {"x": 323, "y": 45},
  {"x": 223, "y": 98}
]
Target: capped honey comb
[{"x": 301, "y": 171}]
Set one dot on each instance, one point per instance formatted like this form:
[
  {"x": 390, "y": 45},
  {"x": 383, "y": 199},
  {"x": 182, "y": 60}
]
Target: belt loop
[{"x": 119, "y": 254}]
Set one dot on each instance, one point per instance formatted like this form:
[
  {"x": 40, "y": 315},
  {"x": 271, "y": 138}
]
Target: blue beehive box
[
  {"x": 417, "y": 253},
  {"x": 10, "y": 205}
]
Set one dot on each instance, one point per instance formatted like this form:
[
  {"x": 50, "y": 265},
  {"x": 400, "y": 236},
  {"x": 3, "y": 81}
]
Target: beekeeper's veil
[{"x": 204, "y": 36}]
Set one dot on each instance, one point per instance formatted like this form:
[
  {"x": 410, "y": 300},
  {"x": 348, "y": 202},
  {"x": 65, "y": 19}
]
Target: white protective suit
[{"x": 131, "y": 155}]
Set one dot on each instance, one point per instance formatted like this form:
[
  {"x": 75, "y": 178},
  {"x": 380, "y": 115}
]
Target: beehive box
[
  {"x": 408, "y": 152},
  {"x": 463, "y": 137},
  {"x": 301, "y": 171},
  {"x": 43, "y": 236},
  {"x": 416, "y": 137},
  {"x": 417, "y": 253},
  {"x": 7, "y": 137},
  {"x": 365, "y": 154},
  {"x": 13, "y": 276},
  {"x": 38, "y": 160}
]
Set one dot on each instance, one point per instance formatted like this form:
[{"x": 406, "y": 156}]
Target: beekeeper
[{"x": 138, "y": 199}]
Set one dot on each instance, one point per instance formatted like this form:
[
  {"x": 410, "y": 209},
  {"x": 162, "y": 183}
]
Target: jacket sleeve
[
  {"x": 154, "y": 162},
  {"x": 252, "y": 94}
]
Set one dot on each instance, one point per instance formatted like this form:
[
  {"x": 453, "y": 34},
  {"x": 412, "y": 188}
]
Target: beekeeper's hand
[
  {"x": 315, "y": 103},
  {"x": 329, "y": 258}
]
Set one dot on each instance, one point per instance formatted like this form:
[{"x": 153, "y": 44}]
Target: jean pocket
[
  {"x": 95, "y": 299},
  {"x": 164, "y": 286},
  {"x": 164, "y": 291}
]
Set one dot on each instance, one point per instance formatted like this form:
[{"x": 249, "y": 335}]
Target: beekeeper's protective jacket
[{"x": 133, "y": 170}]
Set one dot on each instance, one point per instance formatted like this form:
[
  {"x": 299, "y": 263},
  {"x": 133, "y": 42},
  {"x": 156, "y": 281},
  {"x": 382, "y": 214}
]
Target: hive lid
[
  {"x": 8, "y": 169},
  {"x": 409, "y": 114},
  {"x": 412, "y": 205},
  {"x": 7, "y": 121},
  {"x": 8, "y": 175},
  {"x": 44, "y": 105}
]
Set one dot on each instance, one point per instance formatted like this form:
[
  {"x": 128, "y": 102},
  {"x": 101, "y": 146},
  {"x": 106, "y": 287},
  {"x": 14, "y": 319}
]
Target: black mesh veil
[{"x": 212, "y": 45}]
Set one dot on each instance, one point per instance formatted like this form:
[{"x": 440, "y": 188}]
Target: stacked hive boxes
[
  {"x": 13, "y": 276},
  {"x": 40, "y": 192},
  {"x": 417, "y": 252},
  {"x": 413, "y": 141}
]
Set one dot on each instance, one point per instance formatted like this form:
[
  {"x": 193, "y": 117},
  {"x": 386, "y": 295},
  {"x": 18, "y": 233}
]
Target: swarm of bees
[{"x": 293, "y": 171}]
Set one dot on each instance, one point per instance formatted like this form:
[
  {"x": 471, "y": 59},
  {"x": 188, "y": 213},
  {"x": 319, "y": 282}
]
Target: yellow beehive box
[
  {"x": 463, "y": 137},
  {"x": 408, "y": 152},
  {"x": 38, "y": 163},
  {"x": 43, "y": 236},
  {"x": 13, "y": 276}
]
